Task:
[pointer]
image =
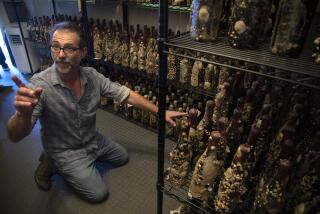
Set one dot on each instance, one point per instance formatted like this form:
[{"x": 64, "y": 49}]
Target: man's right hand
[{"x": 26, "y": 99}]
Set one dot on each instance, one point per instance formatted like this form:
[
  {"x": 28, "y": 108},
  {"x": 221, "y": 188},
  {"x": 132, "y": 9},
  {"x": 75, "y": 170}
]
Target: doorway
[
  {"x": 5, "y": 74},
  {"x": 5, "y": 51}
]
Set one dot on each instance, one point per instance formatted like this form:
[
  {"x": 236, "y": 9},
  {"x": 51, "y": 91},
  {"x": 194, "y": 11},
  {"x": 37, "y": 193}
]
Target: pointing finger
[
  {"x": 27, "y": 92},
  {"x": 38, "y": 92},
  {"x": 172, "y": 123}
]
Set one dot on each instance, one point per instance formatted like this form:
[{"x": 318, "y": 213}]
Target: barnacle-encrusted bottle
[
  {"x": 97, "y": 43},
  {"x": 208, "y": 168},
  {"x": 151, "y": 53},
  {"x": 180, "y": 156},
  {"x": 316, "y": 50},
  {"x": 208, "y": 73},
  {"x": 196, "y": 69},
  {"x": 233, "y": 133},
  {"x": 117, "y": 53},
  {"x": 247, "y": 22},
  {"x": 205, "y": 19},
  {"x": 125, "y": 43},
  {"x": 172, "y": 65},
  {"x": 271, "y": 190},
  {"x": 203, "y": 130},
  {"x": 305, "y": 194},
  {"x": 133, "y": 52},
  {"x": 108, "y": 51},
  {"x": 142, "y": 54},
  {"x": 291, "y": 26},
  {"x": 233, "y": 183},
  {"x": 184, "y": 76}
]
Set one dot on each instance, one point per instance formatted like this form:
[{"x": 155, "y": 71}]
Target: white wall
[
  {"x": 102, "y": 10},
  {"x": 138, "y": 15}
]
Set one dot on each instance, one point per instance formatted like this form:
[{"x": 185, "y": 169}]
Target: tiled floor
[{"x": 132, "y": 187}]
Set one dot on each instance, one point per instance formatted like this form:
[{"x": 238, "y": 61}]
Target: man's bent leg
[
  {"x": 112, "y": 153},
  {"x": 85, "y": 179}
]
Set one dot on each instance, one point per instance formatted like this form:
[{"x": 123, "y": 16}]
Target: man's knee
[
  {"x": 98, "y": 196},
  {"x": 122, "y": 161}
]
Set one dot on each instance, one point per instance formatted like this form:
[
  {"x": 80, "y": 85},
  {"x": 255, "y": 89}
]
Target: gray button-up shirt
[{"x": 67, "y": 123}]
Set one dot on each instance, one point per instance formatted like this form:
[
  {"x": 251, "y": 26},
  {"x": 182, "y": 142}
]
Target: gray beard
[{"x": 65, "y": 70}]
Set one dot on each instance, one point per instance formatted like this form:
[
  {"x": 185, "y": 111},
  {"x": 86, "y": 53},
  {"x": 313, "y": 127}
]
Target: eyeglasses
[{"x": 66, "y": 50}]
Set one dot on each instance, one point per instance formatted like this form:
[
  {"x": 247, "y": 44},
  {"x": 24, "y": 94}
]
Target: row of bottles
[
  {"x": 45, "y": 62},
  {"x": 260, "y": 159},
  {"x": 39, "y": 27},
  {"x": 137, "y": 50},
  {"x": 131, "y": 48},
  {"x": 176, "y": 100},
  {"x": 251, "y": 22},
  {"x": 316, "y": 50}
]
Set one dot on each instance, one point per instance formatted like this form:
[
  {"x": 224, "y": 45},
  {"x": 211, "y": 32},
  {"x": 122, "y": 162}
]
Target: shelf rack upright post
[{"x": 162, "y": 38}]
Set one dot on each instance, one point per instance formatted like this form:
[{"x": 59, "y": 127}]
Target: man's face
[{"x": 68, "y": 59}]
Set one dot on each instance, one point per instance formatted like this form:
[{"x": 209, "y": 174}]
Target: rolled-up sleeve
[{"x": 112, "y": 89}]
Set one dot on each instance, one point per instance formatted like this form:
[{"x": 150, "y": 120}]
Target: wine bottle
[
  {"x": 205, "y": 20},
  {"x": 291, "y": 26},
  {"x": 247, "y": 22}
]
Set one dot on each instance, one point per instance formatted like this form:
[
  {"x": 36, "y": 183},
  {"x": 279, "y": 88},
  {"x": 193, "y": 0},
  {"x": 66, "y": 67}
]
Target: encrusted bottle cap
[
  {"x": 284, "y": 169},
  {"x": 236, "y": 114},
  {"x": 255, "y": 85},
  {"x": 215, "y": 137},
  {"x": 292, "y": 119},
  {"x": 226, "y": 86},
  {"x": 261, "y": 79},
  {"x": 209, "y": 110},
  {"x": 315, "y": 145},
  {"x": 193, "y": 116},
  {"x": 240, "y": 103},
  {"x": 265, "y": 122},
  {"x": 222, "y": 124},
  {"x": 267, "y": 99},
  {"x": 300, "y": 97},
  {"x": 253, "y": 136},
  {"x": 287, "y": 148},
  {"x": 242, "y": 153},
  {"x": 250, "y": 94},
  {"x": 266, "y": 108},
  {"x": 298, "y": 108}
]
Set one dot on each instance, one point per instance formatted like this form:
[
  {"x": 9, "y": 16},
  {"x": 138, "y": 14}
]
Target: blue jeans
[{"x": 77, "y": 167}]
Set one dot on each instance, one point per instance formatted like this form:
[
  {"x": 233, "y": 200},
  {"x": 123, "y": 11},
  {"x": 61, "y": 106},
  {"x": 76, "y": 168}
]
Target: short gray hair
[{"x": 72, "y": 27}]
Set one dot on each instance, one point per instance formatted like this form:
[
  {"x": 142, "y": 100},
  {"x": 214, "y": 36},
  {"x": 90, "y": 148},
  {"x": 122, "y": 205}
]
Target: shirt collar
[
  {"x": 55, "y": 76},
  {"x": 83, "y": 77}
]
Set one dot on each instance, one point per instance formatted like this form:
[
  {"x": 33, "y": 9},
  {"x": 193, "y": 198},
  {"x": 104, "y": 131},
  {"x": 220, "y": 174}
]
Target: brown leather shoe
[{"x": 43, "y": 174}]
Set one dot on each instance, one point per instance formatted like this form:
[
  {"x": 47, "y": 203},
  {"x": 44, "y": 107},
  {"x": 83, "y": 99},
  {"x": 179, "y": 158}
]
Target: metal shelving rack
[
  {"x": 182, "y": 9},
  {"x": 299, "y": 71}
]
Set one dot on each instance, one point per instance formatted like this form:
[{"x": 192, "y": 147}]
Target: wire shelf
[
  {"x": 180, "y": 194},
  {"x": 261, "y": 56},
  {"x": 299, "y": 70},
  {"x": 182, "y": 9}
]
